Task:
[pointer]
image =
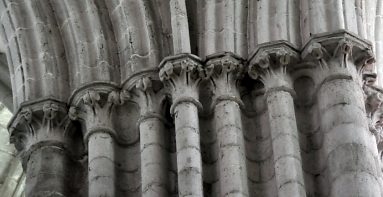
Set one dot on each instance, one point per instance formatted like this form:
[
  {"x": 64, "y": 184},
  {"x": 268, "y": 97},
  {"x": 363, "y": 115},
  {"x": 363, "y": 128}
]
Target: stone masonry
[{"x": 193, "y": 98}]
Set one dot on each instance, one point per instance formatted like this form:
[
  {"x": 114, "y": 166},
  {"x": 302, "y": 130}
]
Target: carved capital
[
  {"x": 225, "y": 69},
  {"x": 339, "y": 53},
  {"x": 94, "y": 109},
  {"x": 182, "y": 74},
  {"x": 182, "y": 70},
  {"x": 38, "y": 123},
  {"x": 270, "y": 63},
  {"x": 149, "y": 94}
]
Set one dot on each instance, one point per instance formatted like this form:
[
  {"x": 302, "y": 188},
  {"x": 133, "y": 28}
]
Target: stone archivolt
[{"x": 335, "y": 62}]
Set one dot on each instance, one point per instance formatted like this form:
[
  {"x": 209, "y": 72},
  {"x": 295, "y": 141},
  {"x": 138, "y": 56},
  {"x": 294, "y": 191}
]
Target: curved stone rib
[
  {"x": 180, "y": 27},
  {"x": 16, "y": 29},
  {"x": 136, "y": 32},
  {"x": 49, "y": 51},
  {"x": 222, "y": 26},
  {"x": 273, "y": 20},
  {"x": 89, "y": 47}
]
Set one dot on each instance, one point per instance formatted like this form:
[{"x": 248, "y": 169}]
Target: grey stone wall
[{"x": 196, "y": 97}]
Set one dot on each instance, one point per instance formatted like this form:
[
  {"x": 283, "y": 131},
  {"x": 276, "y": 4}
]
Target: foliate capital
[
  {"x": 225, "y": 69},
  {"x": 39, "y": 122},
  {"x": 340, "y": 47},
  {"x": 182, "y": 74},
  {"x": 227, "y": 66},
  {"x": 94, "y": 108},
  {"x": 270, "y": 63},
  {"x": 182, "y": 70},
  {"x": 148, "y": 92}
]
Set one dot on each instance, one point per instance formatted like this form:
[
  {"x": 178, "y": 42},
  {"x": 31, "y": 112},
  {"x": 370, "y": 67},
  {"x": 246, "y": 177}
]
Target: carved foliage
[
  {"x": 95, "y": 110},
  {"x": 182, "y": 74},
  {"x": 339, "y": 53},
  {"x": 270, "y": 64},
  {"x": 150, "y": 96},
  {"x": 40, "y": 122},
  {"x": 225, "y": 71}
]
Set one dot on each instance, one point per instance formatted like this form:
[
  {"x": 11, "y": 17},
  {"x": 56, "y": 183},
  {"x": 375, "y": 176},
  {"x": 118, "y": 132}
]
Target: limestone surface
[{"x": 192, "y": 98}]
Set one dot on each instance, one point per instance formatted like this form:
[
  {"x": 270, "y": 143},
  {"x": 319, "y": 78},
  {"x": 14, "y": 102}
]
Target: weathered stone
[{"x": 192, "y": 97}]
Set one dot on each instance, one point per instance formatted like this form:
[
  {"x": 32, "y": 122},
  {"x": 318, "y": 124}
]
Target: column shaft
[
  {"x": 284, "y": 134},
  {"x": 154, "y": 159},
  {"x": 101, "y": 165},
  {"x": 47, "y": 172},
  {"x": 189, "y": 162},
  {"x": 349, "y": 159},
  {"x": 232, "y": 158}
]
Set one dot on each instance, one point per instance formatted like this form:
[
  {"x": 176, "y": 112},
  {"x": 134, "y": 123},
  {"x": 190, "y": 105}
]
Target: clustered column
[
  {"x": 39, "y": 132},
  {"x": 94, "y": 109},
  {"x": 227, "y": 70},
  {"x": 269, "y": 64},
  {"x": 182, "y": 74},
  {"x": 349, "y": 153},
  {"x": 153, "y": 138}
]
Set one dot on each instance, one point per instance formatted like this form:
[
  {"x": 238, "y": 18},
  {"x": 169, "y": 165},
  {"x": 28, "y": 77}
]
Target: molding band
[
  {"x": 186, "y": 100},
  {"x": 95, "y": 130},
  {"x": 279, "y": 89}
]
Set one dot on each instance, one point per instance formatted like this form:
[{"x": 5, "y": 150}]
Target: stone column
[
  {"x": 153, "y": 138},
  {"x": 40, "y": 133},
  {"x": 227, "y": 70},
  {"x": 94, "y": 110},
  {"x": 182, "y": 75},
  {"x": 348, "y": 155},
  {"x": 269, "y": 64}
]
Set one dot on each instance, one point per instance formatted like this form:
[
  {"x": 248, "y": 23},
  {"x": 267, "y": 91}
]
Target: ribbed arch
[
  {"x": 19, "y": 37},
  {"x": 142, "y": 35},
  {"x": 6, "y": 30},
  {"x": 223, "y": 27},
  {"x": 57, "y": 47},
  {"x": 50, "y": 56},
  {"x": 332, "y": 15},
  {"x": 273, "y": 20},
  {"x": 89, "y": 45}
]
